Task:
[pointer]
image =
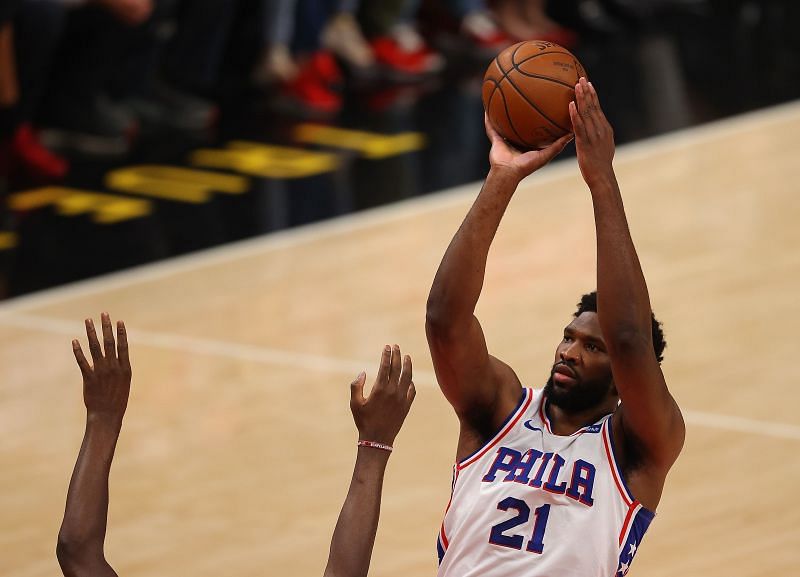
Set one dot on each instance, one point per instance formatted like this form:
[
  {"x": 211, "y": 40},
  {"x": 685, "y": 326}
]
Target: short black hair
[{"x": 588, "y": 304}]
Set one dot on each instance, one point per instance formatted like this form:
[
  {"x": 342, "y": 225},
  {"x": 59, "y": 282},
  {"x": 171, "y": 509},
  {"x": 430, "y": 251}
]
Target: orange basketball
[{"x": 527, "y": 90}]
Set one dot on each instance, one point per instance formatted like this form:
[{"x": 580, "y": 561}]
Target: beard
[{"x": 581, "y": 396}]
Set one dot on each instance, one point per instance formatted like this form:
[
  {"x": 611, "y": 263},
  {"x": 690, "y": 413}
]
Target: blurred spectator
[
  {"x": 293, "y": 56},
  {"x": 28, "y": 41},
  {"x": 396, "y": 42},
  {"x": 123, "y": 64}
]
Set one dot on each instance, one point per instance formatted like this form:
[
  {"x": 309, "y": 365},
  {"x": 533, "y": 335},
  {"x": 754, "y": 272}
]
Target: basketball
[{"x": 527, "y": 90}]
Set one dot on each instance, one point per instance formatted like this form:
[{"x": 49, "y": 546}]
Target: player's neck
[{"x": 566, "y": 423}]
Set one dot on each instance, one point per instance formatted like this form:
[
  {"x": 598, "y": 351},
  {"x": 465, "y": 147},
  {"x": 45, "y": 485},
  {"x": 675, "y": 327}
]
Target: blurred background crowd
[
  {"x": 87, "y": 86},
  {"x": 89, "y": 75}
]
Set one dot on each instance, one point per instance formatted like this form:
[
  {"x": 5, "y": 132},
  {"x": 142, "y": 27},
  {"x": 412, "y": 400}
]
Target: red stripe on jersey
[
  {"x": 521, "y": 411},
  {"x": 543, "y": 416},
  {"x": 445, "y": 542},
  {"x": 628, "y": 518}
]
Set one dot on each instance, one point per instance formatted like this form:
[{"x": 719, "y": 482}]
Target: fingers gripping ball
[{"x": 527, "y": 90}]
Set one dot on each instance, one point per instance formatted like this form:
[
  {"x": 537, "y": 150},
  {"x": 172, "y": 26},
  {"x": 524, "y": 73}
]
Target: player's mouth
[{"x": 564, "y": 375}]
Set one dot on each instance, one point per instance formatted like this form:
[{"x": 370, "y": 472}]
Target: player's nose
[{"x": 569, "y": 354}]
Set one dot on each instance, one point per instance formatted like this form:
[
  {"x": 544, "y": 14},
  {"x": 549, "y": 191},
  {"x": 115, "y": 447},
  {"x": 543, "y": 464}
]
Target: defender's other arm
[
  {"x": 649, "y": 413},
  {"x": 469, "y": 377},
  {"x": 378, "y": 418},
  {"x": 106, "y": 385}
]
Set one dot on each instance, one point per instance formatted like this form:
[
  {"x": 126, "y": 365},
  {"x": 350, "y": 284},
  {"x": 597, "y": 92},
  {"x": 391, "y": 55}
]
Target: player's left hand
[
  {"x": 379, "y": 416},
  {"x": 107, "y": 381},
  {"x": 594, "y": 137}
]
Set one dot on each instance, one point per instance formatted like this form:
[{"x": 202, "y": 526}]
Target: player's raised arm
[
  {"x": 649, "y": 414},
  {"x": 106, "y": 385},
  {"x": 378, "y": 418},
  {"x": 472, "y": 380}
]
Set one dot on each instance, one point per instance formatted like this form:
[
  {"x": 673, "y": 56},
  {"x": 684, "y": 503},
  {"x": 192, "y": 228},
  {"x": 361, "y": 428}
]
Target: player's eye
[{"x": 590, "y": 347}]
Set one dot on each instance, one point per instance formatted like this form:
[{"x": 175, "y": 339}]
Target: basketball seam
[
  {"x": 540, "y": 76},
  {"x": 508, "y": 116},
  {"x": 505, "y": 103},
  {"x": 536, "y": 108}
]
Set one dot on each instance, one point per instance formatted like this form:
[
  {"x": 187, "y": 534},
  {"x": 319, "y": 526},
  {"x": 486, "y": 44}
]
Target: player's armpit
[
  {"x": 649, "y": 412},
  {"x": 478, "y": 386}
]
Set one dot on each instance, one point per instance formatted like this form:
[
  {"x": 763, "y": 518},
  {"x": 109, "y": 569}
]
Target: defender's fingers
[
  {"x": 109, "y": 346},
  {"x": 411, "y": 395},
  {"x": 383, "y": 370},
  {"x": 357, "y": 389},
  {"x": 94, "y": 344},
  {"x": 122, "y": 346},
  {"x": 394, "y": 374},
  {"x": 405, "y": 378},
  {"x": 83, "y": 364}
]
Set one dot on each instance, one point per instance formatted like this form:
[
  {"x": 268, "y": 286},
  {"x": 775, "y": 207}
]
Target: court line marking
[
  {"x": 403, "y": 209},
  {"x": 348, "y": 367}
]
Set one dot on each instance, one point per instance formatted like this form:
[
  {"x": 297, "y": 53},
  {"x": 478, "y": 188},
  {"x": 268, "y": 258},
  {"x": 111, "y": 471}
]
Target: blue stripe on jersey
[
  {"x": 439, "y": 549},
  {"x": 503, "y": 426},
  {"x": 635, "y": 535}
]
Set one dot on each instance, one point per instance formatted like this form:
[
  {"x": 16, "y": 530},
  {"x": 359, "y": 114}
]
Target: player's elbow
[
  {"x": 68, "y": 548},
  {"x": 72, "y": 552}
]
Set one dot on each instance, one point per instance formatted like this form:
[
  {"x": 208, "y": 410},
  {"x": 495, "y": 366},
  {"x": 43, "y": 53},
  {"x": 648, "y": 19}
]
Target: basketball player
[
  {"x": 565, "y": 480},
  {"x": 106, "y": 384}
]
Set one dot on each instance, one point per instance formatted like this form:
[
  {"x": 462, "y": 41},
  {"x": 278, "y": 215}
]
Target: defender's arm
[
  {"x": 378, "y": 418},
  {"x": 106, "y": 385}
]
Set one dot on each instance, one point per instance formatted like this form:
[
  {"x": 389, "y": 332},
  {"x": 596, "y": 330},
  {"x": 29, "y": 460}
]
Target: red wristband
[{"x": 375, "y": 445}]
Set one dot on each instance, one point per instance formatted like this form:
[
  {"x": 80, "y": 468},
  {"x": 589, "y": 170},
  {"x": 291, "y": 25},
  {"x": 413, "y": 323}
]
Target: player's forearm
[
  {"x": 83, "y": 530},
  {"x": 459, "y": 280},
  {"x": 623, "y": 301},
  {"x": 354, "y": 536}
]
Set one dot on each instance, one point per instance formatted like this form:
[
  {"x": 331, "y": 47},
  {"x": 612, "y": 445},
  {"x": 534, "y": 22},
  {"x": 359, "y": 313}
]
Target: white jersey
[{"x": 533, "y": 504}]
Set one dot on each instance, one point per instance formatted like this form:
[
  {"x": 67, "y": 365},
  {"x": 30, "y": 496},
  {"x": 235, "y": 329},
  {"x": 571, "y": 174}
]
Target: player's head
[{"x": 581, "y": 376}]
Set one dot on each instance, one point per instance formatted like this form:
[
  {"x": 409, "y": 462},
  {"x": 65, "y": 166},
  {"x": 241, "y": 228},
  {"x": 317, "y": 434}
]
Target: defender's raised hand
[
  {"x": 379, "y": 416},
  {"x": 107, "y": 381},
  {"x": 594, "y": 137},
  {"x": 106, "y": 385},
  {"x": 520, "y": 164}
]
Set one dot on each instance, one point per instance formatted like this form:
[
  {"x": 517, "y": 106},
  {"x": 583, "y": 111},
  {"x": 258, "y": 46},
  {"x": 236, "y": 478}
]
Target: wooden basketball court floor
[{"x": 238, "y": 443}]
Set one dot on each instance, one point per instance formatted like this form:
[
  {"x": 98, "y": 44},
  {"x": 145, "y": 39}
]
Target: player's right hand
[
  {"x": 107, "y": 381},
  {"x": 380, "y": 416},
  {"x": 505, "y": 157},
  {"x": 594, "y": 137}
]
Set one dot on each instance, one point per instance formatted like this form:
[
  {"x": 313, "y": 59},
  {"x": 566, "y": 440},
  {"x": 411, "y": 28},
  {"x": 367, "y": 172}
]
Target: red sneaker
[
  {"x": 312, "y": 90},
  {"x": 324, "y": 66},
  {"x": 416, "y": 61},
  {"x": 28, "y": 153},
  {"x": 482, "y": 31}
]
